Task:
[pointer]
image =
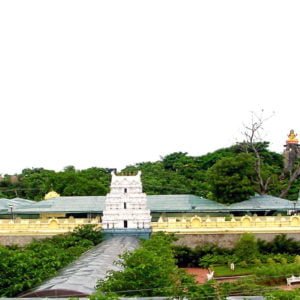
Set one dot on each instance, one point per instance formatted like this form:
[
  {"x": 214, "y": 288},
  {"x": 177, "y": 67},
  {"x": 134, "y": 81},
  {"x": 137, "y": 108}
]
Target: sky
[{"x": 114, "y": 83}]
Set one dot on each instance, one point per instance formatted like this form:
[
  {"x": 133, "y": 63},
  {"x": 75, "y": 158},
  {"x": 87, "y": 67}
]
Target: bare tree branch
[{"x": 252, "y": 134}]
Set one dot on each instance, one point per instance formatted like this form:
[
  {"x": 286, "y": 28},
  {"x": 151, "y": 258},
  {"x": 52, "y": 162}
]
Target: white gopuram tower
[{"x": 126, "y": 209}]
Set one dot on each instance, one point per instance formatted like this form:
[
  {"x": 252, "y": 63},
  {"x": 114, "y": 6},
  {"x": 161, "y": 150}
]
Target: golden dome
[{"x": 51, "y": 194}]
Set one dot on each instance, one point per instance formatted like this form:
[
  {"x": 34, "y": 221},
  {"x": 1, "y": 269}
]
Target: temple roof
[
  {"x": 16, "y": 202},
  {"x": 263, "y": 202},
  {"x": 95, "y": 204},
  {"x": 156, "y": 203},
  {"x": 72, "y": 204},
  {"x": 178, "y": 203}
]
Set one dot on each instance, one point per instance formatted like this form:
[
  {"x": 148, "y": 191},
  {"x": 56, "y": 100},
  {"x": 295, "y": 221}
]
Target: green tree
[
  {"x": 230, "y": 178},
  {"x": 24, "y": 268},
  {"x": 148, "y": 271}
]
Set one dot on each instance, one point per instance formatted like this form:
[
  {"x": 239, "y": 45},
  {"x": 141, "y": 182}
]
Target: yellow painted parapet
[
  {"x": 194, "y": 225},
  {"x": 206, "y": 225},
  {"x": 50, "y": 226}
]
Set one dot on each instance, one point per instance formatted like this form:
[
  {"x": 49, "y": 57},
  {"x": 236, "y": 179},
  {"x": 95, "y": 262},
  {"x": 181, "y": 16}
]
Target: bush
[
  {"x": 203, "y": 292},
  {"x": 102, "y": 296},
  {"x": 244, "y": 287},
  {"x": 246, "y": 249},
  {"x": 276, "y": 273},
  {"x": 211, "y": 259},
  {"x": 283, "y": 295},
  {"x": 283, "y": 261},
  {"x": 277, "y": 258},
  {"x": 88, "y": 232},
  {"x": 243, "y": 264},
  {"x": 270, "y": 261},
  {"x": 189, "y": 257},
  {"x": 185, "y": 256},
  {"x": 148, "y": 271},
  {"x": 280, "y": 244},
  {"x": 257, "y": 262},
  {"x": 24, "y": 268}
]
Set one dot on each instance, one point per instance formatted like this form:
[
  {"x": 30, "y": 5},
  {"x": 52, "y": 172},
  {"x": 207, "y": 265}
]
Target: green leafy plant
[
  {"x": 24, "y": 268},
  {"x": 148, "y": 271}
]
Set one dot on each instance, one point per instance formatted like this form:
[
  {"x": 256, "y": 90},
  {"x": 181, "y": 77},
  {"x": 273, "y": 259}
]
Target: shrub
[
  {"x": 243, "y": 264},
  {"x": 276, "y": 273},
  {"x": 270, "y": 261},
  {"x": 257, "y": 262},
  {"x": 283, "y": 295},
  {"x": 88, "y": 232},
  {"x": 185, "y": 256},
  {"x": 283, "y": 261},
  {"x": 148, "y": 271},
  {"x": 189, "y": 257},
  {"x": 277, "y": 258},
  {"x": 246, "y": 248},
  {"x": 204, "y": 291},
  {"x": 280, "y": 244},
  {"x": 24, "y": 268},
  {"x": 242, "y": 287},
  {"x": 211, "y": 259},
  {"x": 102, "y": 296}
]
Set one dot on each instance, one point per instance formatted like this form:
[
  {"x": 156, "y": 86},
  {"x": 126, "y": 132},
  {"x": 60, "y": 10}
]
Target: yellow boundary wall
[
  {"x": 49, "y": 226},
  {"x": 209, "y": 225},
  {"x": 193, "y": 225}
]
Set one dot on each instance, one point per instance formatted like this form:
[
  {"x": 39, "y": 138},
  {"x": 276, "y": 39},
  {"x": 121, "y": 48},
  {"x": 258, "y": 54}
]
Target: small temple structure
[
  {"x": 291, "y": 152},
  {"x": 125, "y": 208}
]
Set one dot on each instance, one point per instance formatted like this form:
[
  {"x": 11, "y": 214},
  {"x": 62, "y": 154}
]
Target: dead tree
[{"x": 252, "y": 134}]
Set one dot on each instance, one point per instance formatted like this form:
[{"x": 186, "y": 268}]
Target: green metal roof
[
  {"x": 74, "y": 204},
  {"x": 263, "y": 202},
  {"x": 175, "y": 203},
  {"x": 87, "y": 204},
  {"x": 156, "y": 203},
  {"x": 15, "y": 202}
]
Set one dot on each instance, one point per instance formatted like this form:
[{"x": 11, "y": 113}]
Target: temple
[{"x": 125, "y": 209}]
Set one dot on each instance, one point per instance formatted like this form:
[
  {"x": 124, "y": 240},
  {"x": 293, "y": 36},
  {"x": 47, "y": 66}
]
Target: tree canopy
[{"x": 227, "y": 175}]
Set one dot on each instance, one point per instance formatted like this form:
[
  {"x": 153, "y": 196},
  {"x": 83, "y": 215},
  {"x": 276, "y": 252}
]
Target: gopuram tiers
[
  {"x": 126, "y": 210},
  {"x": 291, "y": 152}
]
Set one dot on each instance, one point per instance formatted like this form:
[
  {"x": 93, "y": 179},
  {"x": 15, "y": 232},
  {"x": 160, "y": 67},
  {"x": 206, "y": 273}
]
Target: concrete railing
[
  {"x": 42, "y": 226},
  {"x": 202, "y": 225}
]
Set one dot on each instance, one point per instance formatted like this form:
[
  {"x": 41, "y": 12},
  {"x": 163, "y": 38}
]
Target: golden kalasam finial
[
  {"x": 292, "y": 138},
  {"x": 51, "y": 194}
]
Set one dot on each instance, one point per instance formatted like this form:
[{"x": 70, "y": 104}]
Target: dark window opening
[
  {"x": 125, "y": 191},
  {"x": 125, "y": 224},
  {"x": 125, "y": 206}
]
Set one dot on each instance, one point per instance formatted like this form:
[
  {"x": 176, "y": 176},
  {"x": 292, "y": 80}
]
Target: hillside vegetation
[{"x": 226, "y": 175}]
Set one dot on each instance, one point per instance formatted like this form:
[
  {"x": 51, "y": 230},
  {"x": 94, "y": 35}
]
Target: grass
[{"x": 221, "y": 271}]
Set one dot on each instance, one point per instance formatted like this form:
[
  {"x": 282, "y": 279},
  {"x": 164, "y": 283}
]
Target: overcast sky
[{"x": 113, "y": 83}]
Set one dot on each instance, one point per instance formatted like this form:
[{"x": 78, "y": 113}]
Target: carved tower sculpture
[
  {"x": 126, "y": 206},
  {"x": 291, "y": 152}
]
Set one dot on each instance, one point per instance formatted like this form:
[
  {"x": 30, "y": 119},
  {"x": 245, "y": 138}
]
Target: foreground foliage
[
  {"x": 268, "y": 264},
  {"x": 247, "y": 252},
  {"x": 283, "y": 295},
  {"x": 148, "y": 271},
  {"x": 151, "y": 271},
  {"x": 26, "y": 267}
]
